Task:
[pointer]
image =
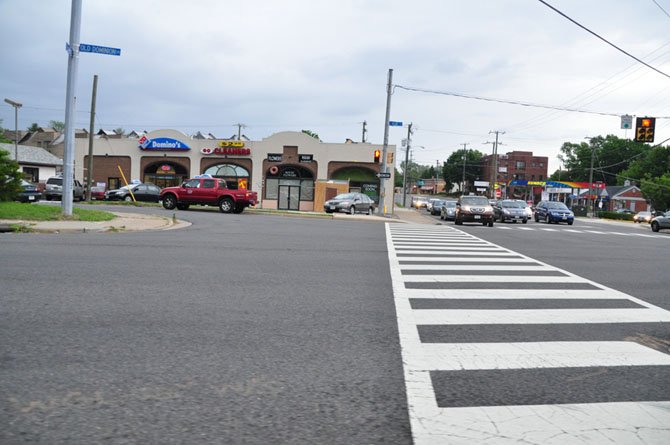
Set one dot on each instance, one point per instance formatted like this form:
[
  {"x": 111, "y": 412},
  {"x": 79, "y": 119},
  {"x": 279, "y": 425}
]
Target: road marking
[{"x": 424, "y": 363}]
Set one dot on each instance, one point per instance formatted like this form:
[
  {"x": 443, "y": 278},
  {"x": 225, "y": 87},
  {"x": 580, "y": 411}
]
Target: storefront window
[
  {"x": 360, "y": 180},
  {"x": 271, "y": 188},
  {"x": 290, "y": 176},
  {"x": 235, "y": 176},
  {"x": 165, "y": 174}
]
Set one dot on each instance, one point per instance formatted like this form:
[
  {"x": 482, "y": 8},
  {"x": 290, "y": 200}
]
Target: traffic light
[
  {"x": 644, "y": 129},
  {"x": 378, "y": 154}
]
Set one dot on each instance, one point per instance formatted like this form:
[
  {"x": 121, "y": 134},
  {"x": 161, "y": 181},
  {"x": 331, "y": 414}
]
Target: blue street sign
[
  {"x": 86, "y": 48},
  {"x": 395, "y": 124}
]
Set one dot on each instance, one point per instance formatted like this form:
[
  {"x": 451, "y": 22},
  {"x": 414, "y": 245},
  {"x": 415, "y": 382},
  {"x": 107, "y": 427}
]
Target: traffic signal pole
[{"x": 382, "y": 180}]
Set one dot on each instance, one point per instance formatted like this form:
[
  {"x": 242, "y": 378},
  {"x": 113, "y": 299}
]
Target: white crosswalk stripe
[
  {"x": 472, "y": 272},
  {"x": 585, "y": 230}
]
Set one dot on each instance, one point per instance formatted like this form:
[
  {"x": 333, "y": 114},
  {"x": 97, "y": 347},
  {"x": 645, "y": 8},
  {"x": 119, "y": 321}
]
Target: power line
[
  {"x": 661, "y": 8},
  {"x": 605, "y": 40}
]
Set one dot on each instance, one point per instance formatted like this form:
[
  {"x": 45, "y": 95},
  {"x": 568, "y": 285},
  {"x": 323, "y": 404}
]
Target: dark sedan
[
  {"x": 142, "y": 192},
  {"x": 350, "y": 203},
  {"x": 554, "y": 212},
  {"x": 29, "y": 192},
  {"x": 448, "y": 211},
  {"x": 510, "y": 210}
]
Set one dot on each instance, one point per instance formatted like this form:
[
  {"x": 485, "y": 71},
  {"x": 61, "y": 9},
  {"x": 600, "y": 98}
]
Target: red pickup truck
[{"x": 210, "y": 192}]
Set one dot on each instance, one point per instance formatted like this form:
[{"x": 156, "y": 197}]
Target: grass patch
[{"x": 36, "y": 212}]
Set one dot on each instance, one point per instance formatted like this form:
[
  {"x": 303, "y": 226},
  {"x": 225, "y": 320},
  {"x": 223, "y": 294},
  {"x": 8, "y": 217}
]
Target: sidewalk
[{"x": 124, "y": 222}]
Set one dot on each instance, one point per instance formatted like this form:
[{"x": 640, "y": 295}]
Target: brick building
[{"x": 515, "y": 165}]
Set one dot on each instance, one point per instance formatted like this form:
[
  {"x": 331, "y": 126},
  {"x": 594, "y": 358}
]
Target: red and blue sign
[{"x": 162, "y": 144}]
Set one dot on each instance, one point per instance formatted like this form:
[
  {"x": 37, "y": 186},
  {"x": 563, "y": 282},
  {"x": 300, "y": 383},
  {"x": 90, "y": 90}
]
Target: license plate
[
  {"x": 478, "y": 217},
  {"x": 565, "y": 217},
  {"x": 31, "y": 198},
  {"x": 333, "y": 207}
]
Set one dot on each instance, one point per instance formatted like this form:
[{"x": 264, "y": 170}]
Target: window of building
[
  {"x": 235, "y": 176},
  {"x": 290, "y": 176},
  {"x": 31, "y": 174},
  {"x": 520, "y": 165},
  {"x": 113, "y": 183}
]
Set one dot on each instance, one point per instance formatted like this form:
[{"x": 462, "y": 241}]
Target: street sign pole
[
  {"x": 72, "y": 67},
  {"x": 382, "y": 194}
]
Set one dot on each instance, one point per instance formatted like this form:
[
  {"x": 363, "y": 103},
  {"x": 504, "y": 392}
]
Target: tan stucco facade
[{"x": 285, "y": 153}]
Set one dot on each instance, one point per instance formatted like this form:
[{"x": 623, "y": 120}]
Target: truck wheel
[
  {"x": 169, "y": 202},
  {"x": 226, "y": 205},
  {"x": 127, "y": 198},
  {"x": 183, "y": 206}
]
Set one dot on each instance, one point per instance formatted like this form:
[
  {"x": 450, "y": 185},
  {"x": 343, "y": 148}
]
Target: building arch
[
  {"x": 289, "y": 185},
  {"x": 165, "y": 173},
  {"x": 236, "y": 176},
  {"x": 361, "y": 179}
]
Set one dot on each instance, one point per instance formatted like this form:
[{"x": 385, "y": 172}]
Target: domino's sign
[{"x": 162, "y": 144}]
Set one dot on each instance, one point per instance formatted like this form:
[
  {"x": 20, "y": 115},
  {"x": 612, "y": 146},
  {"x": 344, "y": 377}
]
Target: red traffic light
[
  {"x": 646, "y": 122},
  {"x": 378, "y": 154}
]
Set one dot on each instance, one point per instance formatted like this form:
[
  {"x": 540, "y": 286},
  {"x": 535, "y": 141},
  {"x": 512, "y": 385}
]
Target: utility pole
[
  {"x": 465, "y": 155},
  {"x": 89, "y": 176},
  {"x": 16, "y": 106},
  {"x": 404, "y": 170},
  {"x": 494, "y": 160},
  {"x": 437, "y": 174},
  {"x": 239, "y": 130},
  {"x": 382, "y": 181},
  {"x": 591, "y": 207},
  {"x": 70, "y": 102},
  {"x": 365, "y": 130}
]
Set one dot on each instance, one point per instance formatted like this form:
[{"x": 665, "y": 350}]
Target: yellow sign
[
  {"x": 231, "y": 144},
  {"x": 242, "y": 184}
]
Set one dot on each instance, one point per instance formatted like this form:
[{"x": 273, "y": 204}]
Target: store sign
[
  {"x": 306, "y": 158},
  {"x": 289, "y": 173},
  {"x": 275, "y": 157},
  {"x": 231, "y": 144},
  {"x": 162, "y": 144},
  {"x": 227, "y": 151}
]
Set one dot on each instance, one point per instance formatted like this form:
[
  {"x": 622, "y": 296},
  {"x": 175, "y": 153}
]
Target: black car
[
  {"x": 29, "y": 192},
  {"x": 436, "y": 207},
  {"x": 510, "y": 210},
  {"x": 142, "y": 192}
]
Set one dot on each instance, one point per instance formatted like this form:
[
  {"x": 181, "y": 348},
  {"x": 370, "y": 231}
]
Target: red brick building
[{"x": 515, "y": 165}]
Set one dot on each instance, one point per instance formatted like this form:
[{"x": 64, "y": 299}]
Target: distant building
[
  {"x": 36, "y": 163},
  {"x": 515, "y": 165}
]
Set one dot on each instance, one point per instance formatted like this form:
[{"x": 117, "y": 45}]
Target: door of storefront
[{"x": 289, "y": 197}]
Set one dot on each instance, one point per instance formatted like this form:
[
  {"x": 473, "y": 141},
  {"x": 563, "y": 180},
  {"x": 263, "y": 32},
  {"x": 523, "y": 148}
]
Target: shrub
[{"x": 10, "y": 177}]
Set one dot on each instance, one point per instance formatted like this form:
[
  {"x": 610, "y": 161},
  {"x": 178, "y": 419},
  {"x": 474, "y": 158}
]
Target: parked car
[
  {"x": 472, "y": 208},
  {"x": 142, "y": 192},
  {"x": 448, "y": 211},
  {"x": 553, "y": 212},
  {"x": 419, "y": 202},
  {"x": 97, "y": 192},
  {"x": 29, "y": 192},
  {"x": 641, "y": 217},
  {"x": 351, "y": 203},
  {"x": 529, "y": 208},
  {"x": 54, "y": 189},
  {"x": 208, "y": 191},
  {"x": 510, "y": 210},
  {"x": 626, "y": 211},
  {"x": 436, "y": 206},
  {"x": 660, "y": 221}
]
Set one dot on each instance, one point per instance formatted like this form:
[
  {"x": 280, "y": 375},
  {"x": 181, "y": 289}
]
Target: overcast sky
[{"x": 322, "y": 65}]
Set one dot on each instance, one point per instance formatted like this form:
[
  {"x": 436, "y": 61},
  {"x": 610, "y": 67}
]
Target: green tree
[
  {"x": 311, "y": 133},
  {"x": 57, "y": 125},
  {"x": 10, "y": 177},
  {"x": 655, "y": 162},
  {"x": 4, "y": 139},
  {"x": 657, "y": 191},
  {"x": 33, "y": 127},
  {"x": 452, "y": 170}
]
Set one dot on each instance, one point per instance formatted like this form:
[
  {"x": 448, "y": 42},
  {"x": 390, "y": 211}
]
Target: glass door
[{"x": 289, "y": 197}]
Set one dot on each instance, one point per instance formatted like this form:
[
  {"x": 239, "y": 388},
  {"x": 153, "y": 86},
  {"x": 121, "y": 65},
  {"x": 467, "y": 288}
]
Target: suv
[
  {"x": 54, "y": 189},
  {"x": 510, "y": 210},
  {"x": 209, "y": 191},
  {"x": 472, "y": 208}
]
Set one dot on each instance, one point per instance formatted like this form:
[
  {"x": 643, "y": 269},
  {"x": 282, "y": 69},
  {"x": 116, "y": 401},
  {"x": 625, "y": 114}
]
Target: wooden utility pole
[{"x": 89, "y": 175}]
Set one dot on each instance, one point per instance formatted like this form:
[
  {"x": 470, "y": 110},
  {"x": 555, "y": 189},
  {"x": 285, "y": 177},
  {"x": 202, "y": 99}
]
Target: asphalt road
[
  {"x": 239, "y": 329},
  {"x": 625, "y": 256}
]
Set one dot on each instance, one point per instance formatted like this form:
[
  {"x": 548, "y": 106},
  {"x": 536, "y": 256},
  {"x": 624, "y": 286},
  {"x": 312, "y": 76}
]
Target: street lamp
[{"x": 16, "y": 106}]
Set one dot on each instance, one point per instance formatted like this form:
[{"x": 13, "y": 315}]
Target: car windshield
[
  {"x": 345, "y": 196},
  {"x": 513, "y": 204},
  {"x": 450, "y": 204},
  {"x": 55, "y": 181},
  {"x": 556, "y": 206},
  {"x": 475, "y": 200}
]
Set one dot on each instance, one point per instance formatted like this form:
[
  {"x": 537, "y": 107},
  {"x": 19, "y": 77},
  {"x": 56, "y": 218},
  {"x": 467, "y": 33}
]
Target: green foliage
[
  {"x": 311, "y": 133},
  {"x": 655, "y": 162},
  {"x": 452, "y": 170},
  {"x": 3, "y": 138},
  {"x": 33, "y": 127},
  {"x": 657, "y": 191},
  {"x": 31, "y": 212},
  {"x": 10, "y": 177},
  {"x": 615, "y": 215},
  {"x": 57, "y": 125}
]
